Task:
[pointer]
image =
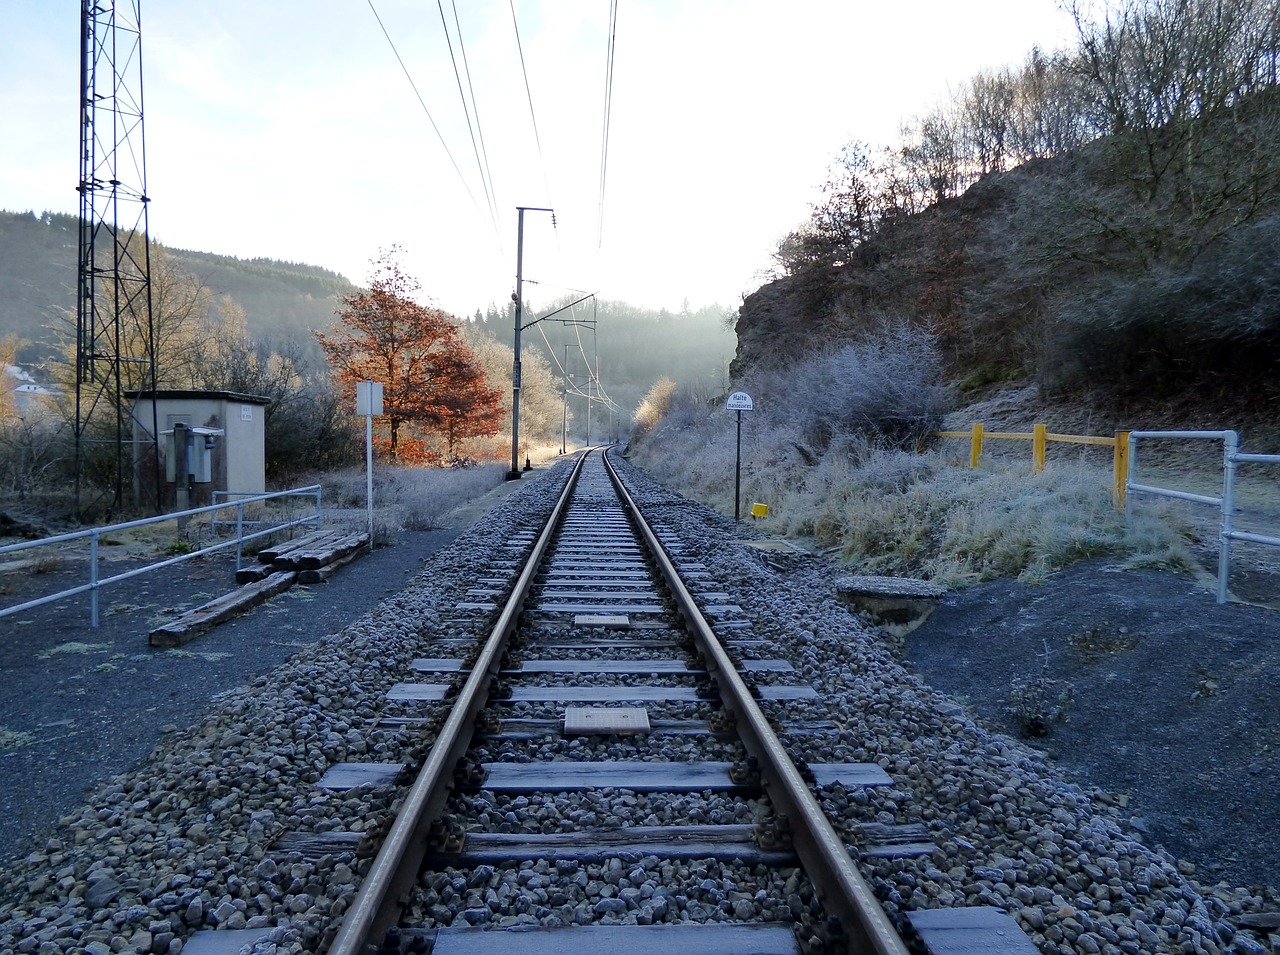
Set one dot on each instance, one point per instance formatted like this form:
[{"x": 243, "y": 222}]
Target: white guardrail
[
  {"x": 94, "y": 535},
  {"x": 1226, "y": 503}
]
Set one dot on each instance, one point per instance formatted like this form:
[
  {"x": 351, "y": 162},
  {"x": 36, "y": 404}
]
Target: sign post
[
  {"x": 368, "y": 403},
  {"x": 738, "y": 402}
]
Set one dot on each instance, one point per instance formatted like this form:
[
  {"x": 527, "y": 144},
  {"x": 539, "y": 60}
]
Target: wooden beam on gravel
[
  {"x": 753, "y": 938},
  {"x": 567, "y": 775},
  {"x": 195, "y": 622},
  {"x": 969, "y": 929},
  {"x": 723, "y": 842},
  {"x": 316, "y": 557}
]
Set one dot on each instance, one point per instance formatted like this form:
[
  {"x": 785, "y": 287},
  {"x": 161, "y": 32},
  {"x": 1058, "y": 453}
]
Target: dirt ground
[{"x": 1169, "y": 702}]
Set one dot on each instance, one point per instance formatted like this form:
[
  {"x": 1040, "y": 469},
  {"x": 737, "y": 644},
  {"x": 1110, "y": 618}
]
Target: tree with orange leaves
[{"x": 428, "y": 373}]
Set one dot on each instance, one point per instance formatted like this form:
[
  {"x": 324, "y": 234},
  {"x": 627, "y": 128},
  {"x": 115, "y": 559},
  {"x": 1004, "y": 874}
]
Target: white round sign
[{"x": 739, "y": 401}]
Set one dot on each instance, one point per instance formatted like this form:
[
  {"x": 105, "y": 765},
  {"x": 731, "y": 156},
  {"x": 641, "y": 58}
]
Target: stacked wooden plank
[
  {"x": 314, "y": 557},
  {"x": 306, "y": 560}
]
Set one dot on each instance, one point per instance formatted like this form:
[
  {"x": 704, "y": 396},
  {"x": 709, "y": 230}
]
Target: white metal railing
[
  {"x": 93, "y": 536},
  {"x": 1226, "y": 502}
]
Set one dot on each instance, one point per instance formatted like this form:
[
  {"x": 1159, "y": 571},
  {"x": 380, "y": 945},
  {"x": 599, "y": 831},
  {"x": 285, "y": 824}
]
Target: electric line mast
[{"x": 115, "y": 334}]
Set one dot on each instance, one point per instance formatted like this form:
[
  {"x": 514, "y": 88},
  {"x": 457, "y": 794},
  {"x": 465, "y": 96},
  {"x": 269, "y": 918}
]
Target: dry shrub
[
  {"x": 830, "y": 448},
  {"x": 887, "y": 390},
  {"x": 653, "y": 408}
]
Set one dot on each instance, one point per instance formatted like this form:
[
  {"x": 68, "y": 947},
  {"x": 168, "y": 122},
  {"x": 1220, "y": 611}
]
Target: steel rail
[
  {"x": 843, "y": 891},
  {"x": 376, "y": 907}
]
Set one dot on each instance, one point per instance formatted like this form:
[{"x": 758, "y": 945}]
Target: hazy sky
[{"x": 289, "y": 130}]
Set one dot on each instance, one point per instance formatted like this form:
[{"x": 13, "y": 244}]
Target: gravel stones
[{"x": 184, "y": 843}]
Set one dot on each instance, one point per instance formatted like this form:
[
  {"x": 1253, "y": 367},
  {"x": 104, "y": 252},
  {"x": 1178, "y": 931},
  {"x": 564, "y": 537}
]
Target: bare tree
[
  {"x": 986, "y": 112},
  {"x": 853, "y": 203},
  {"x": 1050, "y": 108},
  {"x": 932, "y": 158}
]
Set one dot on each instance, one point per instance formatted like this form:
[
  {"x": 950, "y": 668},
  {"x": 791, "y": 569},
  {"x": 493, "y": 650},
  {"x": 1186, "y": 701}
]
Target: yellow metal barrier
[{"x": 1040, "y": 437}]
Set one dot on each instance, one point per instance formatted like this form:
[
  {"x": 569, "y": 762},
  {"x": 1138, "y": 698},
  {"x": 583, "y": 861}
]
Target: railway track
[
  {"x": 259, "y": 825},
  {"x": 603, "y": 691}
]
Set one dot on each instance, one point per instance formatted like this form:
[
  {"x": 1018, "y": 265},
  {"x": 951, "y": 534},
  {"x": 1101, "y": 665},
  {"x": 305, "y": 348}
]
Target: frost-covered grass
[
  {"x": 898, "y": 513},
  {"x": 833, "y": 480},
  {"x": 410, "y": 498}
]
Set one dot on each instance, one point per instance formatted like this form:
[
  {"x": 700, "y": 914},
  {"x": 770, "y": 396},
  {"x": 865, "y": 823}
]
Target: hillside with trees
[
  {"x": 1098, "y": 227},
  {"x": 1102, "y": 221},
  {"x": 250, "y": 326},
  {"x": 282, "y": 302}
]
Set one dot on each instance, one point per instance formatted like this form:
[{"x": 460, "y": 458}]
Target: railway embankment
[{"x": 180, "y": 840}]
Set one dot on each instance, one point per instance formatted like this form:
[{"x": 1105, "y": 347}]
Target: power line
[
  {"x": 422, "y": 103},
  {"x": 486, "y": 179},
  {"x": 608, "y": 110},
  {"x": 532, "y": 115}
]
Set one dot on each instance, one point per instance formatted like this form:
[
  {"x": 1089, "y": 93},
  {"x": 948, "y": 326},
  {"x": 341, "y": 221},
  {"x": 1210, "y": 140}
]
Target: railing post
[
  {"x": 1119, "y": 470},
  {"x": 975, "y": 446},
  {"x": 1130, "y": 466},
  {"x": 239, "y": 534},
  {"x": 1038, "y": 442},
  {"x": 1230, "y": 445},
  {"x": 93, "y": 579}
]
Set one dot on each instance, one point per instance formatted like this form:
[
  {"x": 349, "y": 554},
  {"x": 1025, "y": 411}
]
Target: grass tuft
[
  {"x": 410, "y": 498},
  {"x": 15, "y": 739}
]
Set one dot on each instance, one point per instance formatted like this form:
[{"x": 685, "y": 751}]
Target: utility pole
[
  {"x": 564, "y": 403},
  {"x": 514, "y": 473}
]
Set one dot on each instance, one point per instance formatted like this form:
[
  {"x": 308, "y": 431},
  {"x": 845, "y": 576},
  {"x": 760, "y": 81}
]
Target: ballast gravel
[{"x": 182, "y": 843}]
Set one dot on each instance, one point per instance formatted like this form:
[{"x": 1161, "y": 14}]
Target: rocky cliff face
[
  {"x": 969, "y": 269},
  {"x": 781, "y": 320}
]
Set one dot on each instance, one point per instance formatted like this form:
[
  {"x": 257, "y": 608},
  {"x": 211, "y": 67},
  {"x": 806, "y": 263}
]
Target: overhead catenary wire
[
  {"x": 608, "y": 110},
  {"x": 593, "y": 372},
  {"x": 486, "y": 179},
  {"x": 476, "y": 109},
  {"x": 592, "y": 375},
  {"x": 431, "y": 119},
  {"x": 533, "y": 117}
]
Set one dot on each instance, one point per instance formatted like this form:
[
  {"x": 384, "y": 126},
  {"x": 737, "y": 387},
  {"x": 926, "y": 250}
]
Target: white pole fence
[
  {"x": 1226, "y": 502},
  {"x": 94, "y": 535}
]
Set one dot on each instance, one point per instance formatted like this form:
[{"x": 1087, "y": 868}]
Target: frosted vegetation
[
  {"x": 407, "y": 498},
  {"x": 840, "y": 447}
]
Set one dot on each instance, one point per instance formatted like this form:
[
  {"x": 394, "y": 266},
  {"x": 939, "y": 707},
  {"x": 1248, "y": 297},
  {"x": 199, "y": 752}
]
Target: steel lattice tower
[{"x": 115, "y": 334}]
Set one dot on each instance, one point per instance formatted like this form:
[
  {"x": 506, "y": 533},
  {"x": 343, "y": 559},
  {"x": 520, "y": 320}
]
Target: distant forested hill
[
  {"x": 633, "y": 346},
  {"x": 282, "y": 301},
  {"x": 37, "y": 276}
]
